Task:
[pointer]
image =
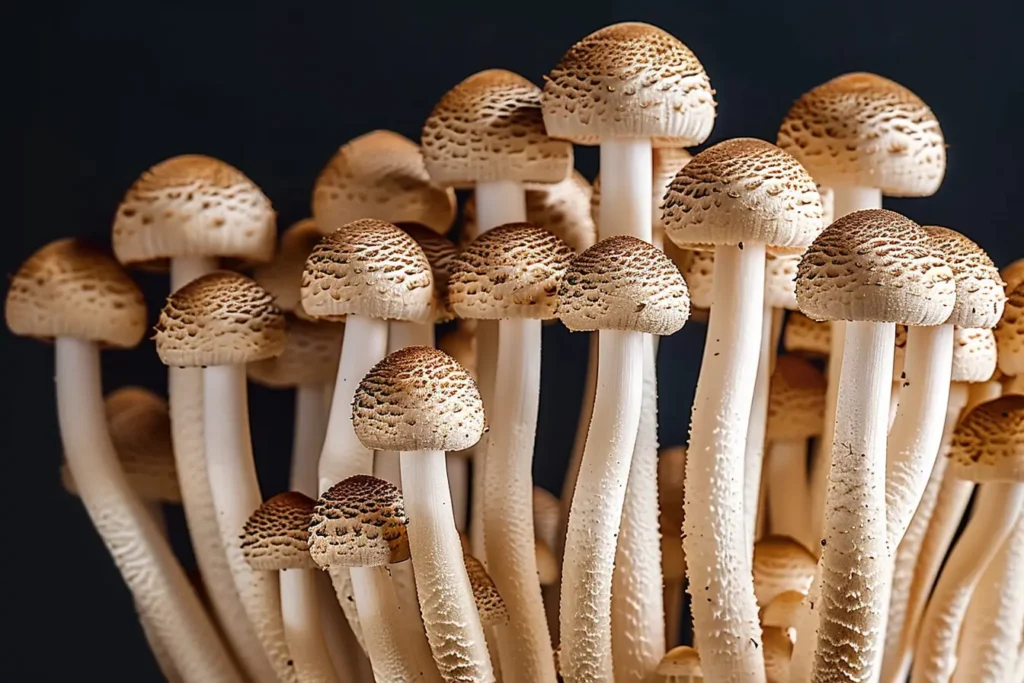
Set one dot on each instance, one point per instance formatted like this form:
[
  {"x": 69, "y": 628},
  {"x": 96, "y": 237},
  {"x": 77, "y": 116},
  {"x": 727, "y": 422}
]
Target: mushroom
[
  {"x": 680, "y": 665},
  {"x": 780, "y": 564},
  {"x": 489, "y": 603},
  {"x": 778, "y": 649},
  {"x": 421, "y": 402},
  {"x": 1013, "y": 274},
  {"x": 1010, "y": 333},
  {"x": 783, "y": 612},
  {"x": 78, "y": 296},
  {"x": 805, "y": 337},
  {"x": 671, "y": 477}
]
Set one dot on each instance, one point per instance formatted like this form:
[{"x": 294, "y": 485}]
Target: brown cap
[
  {"x": 862, "y": 130},
  {"x": 1010, "y": 333},
  {"x": 796, "y": 402},
  {"x": 1013, "y": 274},
  {"x": 193, "y": 205},
  {"x": 805, "y": 336},
  {"x": 698, "y": 269},
  {"x": 489, "y": 603},
  {"x": 783, "y": 611},
  {"x": 979, "y": 289},
  {"x": 380, "y": 175},
  {"x": 781, "y": 564},
  {"x": 974, "y": 355},
  {"x": 679, "y": 662},
  {"x": 440, "y": 252},
  {"x": 310, "y": 356},
  {"x": 276, "y": 536},
  {"x": 988, "y": 444},
  {"x": 72, "y": 289},
  {"x": 490, "y": 127},
  {"x": 282, "y": 277},
  {"x": 629, "y": 80}
]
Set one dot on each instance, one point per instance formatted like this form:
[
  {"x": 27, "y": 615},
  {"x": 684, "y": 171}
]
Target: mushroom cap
[
  {"x": 512, "y": 271},
  {"x": 70, "y": 288},
  {"x": 489, "y": 603},
  {"x": 418, "y": 399},
  {"x": 380, "y": 175},
  {"x": 862, "y": 130},
  {"x": 359, "y": 522},
  {"x": 875, "y": 266},
  {"x": 370, "y": 268},
  {"x": 548, "y": 570},
  {"x": 781, "y": 564},
  {"x": 783, "y": 611},
  {"x": 1013, "y": 274},
  {"x": 490, "y": 127},
  {"x": 743, "y": 190},
  {"x": 778, "y": 650},
  {"x": 193, "y": 205},
  {"x": 276, "y": 536},
  {"x": 780, "y": 280},
  {"x": 547, "y": 515},
  {"x": 623, "y": 283},
  {"x": 1010, "y": 333},
  {"x": 974, "y": 355},
  {"x": 629, "y": 80},
  {"x": 440, "y": 252},
  {"x": 988, "y": 443},
  {"x": 310, "y": 356},
  {"x": 680, "y": 661},
  {"x": 796, "y": 400},
  {"x": 460, "y": 343},
  {"x": 979, "y": 289},
  {"x": 698, "y": 269},
  {"x": 805, "y": 336},
  {"x": 221, "y": 318},
  {"x": 282, "y": 277}
]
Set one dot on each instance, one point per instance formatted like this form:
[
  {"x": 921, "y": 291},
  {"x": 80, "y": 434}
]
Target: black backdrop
[{"x": 102, "y": 90}]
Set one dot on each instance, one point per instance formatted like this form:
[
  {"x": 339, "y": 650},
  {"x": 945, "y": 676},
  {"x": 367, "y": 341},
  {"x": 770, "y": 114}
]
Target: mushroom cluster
[{"x": 861, "y": 378}]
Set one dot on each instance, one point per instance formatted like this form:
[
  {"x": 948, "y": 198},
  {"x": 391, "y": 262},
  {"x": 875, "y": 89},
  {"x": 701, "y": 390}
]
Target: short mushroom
[
  {"x": 783, "y": 611},
  {"x": 778, "y": 649},
  {"x": 1010, "y": 333},
  {"x": 780, "y": 564},
  {"x": 680, "y": 665},
  {"x": 489, "y": 603}
]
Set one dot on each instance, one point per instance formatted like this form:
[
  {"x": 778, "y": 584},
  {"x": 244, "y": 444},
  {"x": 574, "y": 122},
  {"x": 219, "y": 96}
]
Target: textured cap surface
[
  {"x": 783, "y": 611},
  {"x": 796, "y": 400},
  {"x": 974, "y": 355},
  {"x": 979, "y": 289},
  {"x": 1013, "y": 274},
  {"x": 310, "y": 356},
  {"x": 275, "y": 537},
  {"x": 780, "y": 280},
  {"x": 282, "y": 277},
  {"x": 875, "y": 266},
  {"x": 629, "y": 80},
  {"x": 359, "y": 522},
  {"x": 380, "y": 175},
  {"x": 193, "y": 205},
  {"x": 988, "y": 444},
  {"x": 1010, "y": 333},
  {"x": 72, "y": 289},
  {"x": 418, "y": 399},
  {"x": 862, "y": 130},
  {"x": 369, "y": 268},
  {"x": 781, "y": 564},
  {"x": 623, "y": 283},
  {"x": 489, "y": 603},
  {"x": 440, "y": 252},
  {"x": 680, "y": 661},
  {"x": 219, "y": 319},
  {"x": 805, "y": 336}
]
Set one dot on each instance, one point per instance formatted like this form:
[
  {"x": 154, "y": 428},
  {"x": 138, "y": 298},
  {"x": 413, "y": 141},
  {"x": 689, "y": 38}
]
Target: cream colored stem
[
  {"x": 787, "y": 489},
  {"x": 499, "y": 202},
  {"x": 300, "y": 613},
  {"x": 308, "y": 440},
  {"x": 753, "y": 456},
  {"x": 850, "y": 199},
  {"x": 160, "y": 653},
  {"x": 162, "y": 593},
  {"x": 820, "y": 470},
  {"x": 345, "y": 647},
  {"x": 626, "y": 188}
]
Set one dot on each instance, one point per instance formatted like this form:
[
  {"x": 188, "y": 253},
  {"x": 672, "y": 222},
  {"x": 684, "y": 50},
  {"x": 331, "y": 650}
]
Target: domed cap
[
  {"x": 974, "y": 355},
  {"x": 418, "y": 399},
  {"x": 282, "y": 277},
  {"x": 368, "y": 268},
  {"x": 489, "y": 603},
  {"x": 629, "y": 80},
  {"x": 72, "y": 289},
  {"x": 380, "y": 175},
  {"x": 875, "y": 266},
  {"x": 276, "y": 536},
  {"x": 512, "y": 271},
  {"x": 979, "y": 289},
  {"x": 862, "y": 130},
  {"x": 1010, "y": 333},
  {"x": 805, "y": 336},
  {"x": 623, "y": 283},
  {"x": 780, "y": 280},
  {"x": 796, "y": 400},
  {"x": 219, "y": 319},
  {"x": 490, "y": 127},
  {"x": 440, "y": 252},
  {"x": 743, "y": 190},
  {"x": 698, "y": 270},
  {"x": 678, "y": 662},
  {"x": 988, "y": 444},
  {"x": 194, "y": 205},
  {"x": 359, "y": 522},
  {"x": 1013, "y": 274},
  {"x": 783, "y": 611},
  {"x": 310, "y": 356},
  {"x": 781, "y": 564}
]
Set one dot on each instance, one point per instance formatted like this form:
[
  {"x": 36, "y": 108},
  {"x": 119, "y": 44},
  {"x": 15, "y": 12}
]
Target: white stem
[
  {"x": 385, "y": 466},
  {"x": 726, "y": 628},
  {"x": 162, "y": 593},
  {"x": 753, "y": 456},
  {"x": 850, "y": 199},
  {"x": 458, "y": 481},
  {"x": 626, "y": 188},
  {"x": 442, "y": 584},
  {"x": 308, "y": 440},
  {"x": 350, "y": 662},
  {"x": 185, "y": 269},
  {"x": 300, "y": 612},
  {"x": 823, "y": 459},
  {"x": 787, "y": 489},
  {"x": 499, "y": 202},
  {"x": 894, "y": 402},
  {"x": 486, "y": 366},
  {"x": 160, "y": 652}
]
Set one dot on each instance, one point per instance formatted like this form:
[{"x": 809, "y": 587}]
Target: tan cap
[
  {"x": 193, "y": 205},
  {"x": 310, "y": 357},
  {"x": 862, "y": 130},
  {"x": 679, "y": 662},
  {"x": 979, "y": 289},
  {"x": 489, "y": 603},
  {"x": 359, "y": 522},
  {"x": 489, "y": 127},
  {"x": 282, "y": 277},
  {"x": 459, "y": 342},
  {"x": 780, "y": 280},
  {"x": 73, "y": 289},
  {"x": 743, "y": 190},
  {"x": 783, "y": 611},
  {"x": 440, "y": 252},
  {"x": 988, "y": 444},
  {"x": 276, "y": 536},
  {"x": 781, "y": 564},
  {"x": 1013, "y": 274},
  {"x": 380, "y": 175},
  {"x": 1010, "y": 333},
  {"x": 368, "y": 268},
  {"x": 418, "y": 399},
  {"x": 547, "y": 515},
  {"x": 974, "y": 355},
  {"x": 875, "y": 266},
  {"x": 629, "y": 80},
  {"x": 805, "y": 336},
  {"x": 796, "y": 400},
  {"x": 623, "y": 283},
  {"x": 778, "y": 651},
  {"x": 219, "y": 319},
  {"x": 548, "y": 570}
]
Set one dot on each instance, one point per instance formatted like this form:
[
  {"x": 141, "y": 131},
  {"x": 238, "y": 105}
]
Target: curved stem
[
  {"x": 308, "y": 440},
  {"x": 300, "y": 613},
  {"x": 753, "y": 456},
  {"x": 787, "y": 489}
]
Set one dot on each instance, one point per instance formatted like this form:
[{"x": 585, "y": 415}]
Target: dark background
[{"x": 100, "y": 91}]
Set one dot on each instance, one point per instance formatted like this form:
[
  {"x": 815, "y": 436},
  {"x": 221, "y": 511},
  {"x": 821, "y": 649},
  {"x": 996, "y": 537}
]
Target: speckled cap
[
  {"x": 282, "y": 277},
  {"x": 875, "y": 266},
  {"x": 781, "y": 564},
  {"x": 276, "y": 536},
  {"x": 807, "y": 337},
  {"x": 1013, "y": 274},
  {"x": 219, "y": 319},
  {"x": 440, "y": 252},
  {"x": 629, "y": 80},
  {"x": 1010, "y": 333},
  {"x": 489, "y": 603},
  {"x": 862, "y": 130},
  {"x": 193, "y": 205},
  {"x": 979, "y": 289},
  {"x": 678, "y": 662},
  {"x": 380, "y": 175},
  {"x": 796, "y": 400},
  {"x": 310, "y": 357},
  {"x": 974, "y": 355},
  {"x": 623, "y": 283},
  {"x": 70, "y": 288},
  {"x": 780, "y": 280},
  {"x": 988, "y": 444}
]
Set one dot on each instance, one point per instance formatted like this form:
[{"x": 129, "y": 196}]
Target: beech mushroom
[
  {"x": 780, "y": 564},
  {"x": 680, "y": 665}
]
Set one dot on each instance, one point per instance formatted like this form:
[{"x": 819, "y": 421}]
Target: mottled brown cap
[
  {"x": 418, "y": 399},
  {"x": 440, "y": 252},
  {"x": 548, "y": 570},
  {"x": 974, "y": 355},
  {"x": 783, "y": 611},
  {"x": 380, "y": 175},
  {"x": 276, "y": 536},
  {"x": 221, "y": 318},
  {"x": 629, "y": 80},
  {"x": 370, "y": 268},
  {"x": 489, "y": 603},
  {"x": 806, "y": 337},
  {"x": 988, "y": 444},
  {"x": 875, "y": 266},
  {"x": 70, "y": 288},
  {"x": 1013, "y": 274},
  {"x": 678, "y": 662},
  {"x": 489, "y": 127},
  {"x": 282, "y": 277},
  {"x": 862, "y": 130},
  {"x": 796, "y": 400},
  {"x": 193, "y": 205},
  {"x": 310, "y": 357},
  {"x": 623, "y": 283},
  {"x": 1010, "y": 333},
  {"x": 359, "y": 522},
  {"x": 743, "y": 190},
  {"x": 979, "y": 289},
  {"x": 781, "y": 564}
]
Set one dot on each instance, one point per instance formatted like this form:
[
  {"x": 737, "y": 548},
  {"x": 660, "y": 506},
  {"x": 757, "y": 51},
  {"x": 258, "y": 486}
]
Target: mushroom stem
[
  {"x": 308, "y": 440},
  {"x": 300, "y": 613},
  {"x": 849, "y": 199},
  {"x": 499, "y": 202},
  {"x": 185, "y": 269},
  {"x": 787, "y": 489},
  {"x": 820, "y": 468},
  {"x": 753, "y": 457},
  {"x": 163, "y": 595},
  {"x": 626, "y": 188}
]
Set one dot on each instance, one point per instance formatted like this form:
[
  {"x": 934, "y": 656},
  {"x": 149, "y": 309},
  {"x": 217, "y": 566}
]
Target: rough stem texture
[
  {"x": 787, "y": 489},
  {"x": 300, "y": 613},
  {"x": 626, "y": 188},
  {"x": 753, "y": 457}
]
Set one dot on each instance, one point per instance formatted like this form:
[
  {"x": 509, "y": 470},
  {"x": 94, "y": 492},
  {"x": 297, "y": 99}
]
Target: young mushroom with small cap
[
  {"x": 1010, "y": 333},
  {"x": 680, "y": 665},
  {"x": 780, "y": 564},
  {"x": 489, "y": 603}
]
